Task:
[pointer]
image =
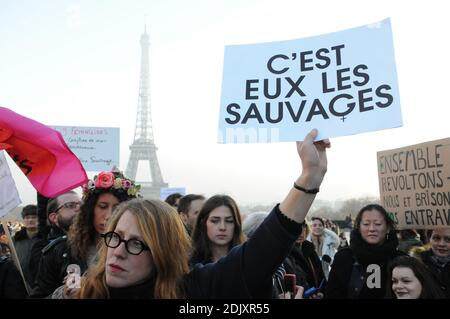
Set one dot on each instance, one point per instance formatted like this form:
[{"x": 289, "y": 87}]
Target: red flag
[{"x": 41, "y": 154}]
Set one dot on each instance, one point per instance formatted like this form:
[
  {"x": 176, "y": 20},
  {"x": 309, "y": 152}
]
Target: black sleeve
[
  {"x": 48, "y": 275},
  {"x": 12, "y": 286},
  {"x": 42, "y": 202},
  {"x": 35, "y": 259},
  {"x": 246, "y": 272},
  {"x": 266, "y": 250}
]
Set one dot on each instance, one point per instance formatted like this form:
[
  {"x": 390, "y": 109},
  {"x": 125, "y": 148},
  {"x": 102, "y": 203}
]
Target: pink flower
[
  {"x": 85, "y": 188},
  {"x": 126, "y": 184},
  {"x": 104, "y": 180}
]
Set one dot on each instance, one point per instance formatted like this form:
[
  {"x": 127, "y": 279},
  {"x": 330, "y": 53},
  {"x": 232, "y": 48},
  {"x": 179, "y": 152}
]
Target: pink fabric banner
[{"x": 41, "y": 154}]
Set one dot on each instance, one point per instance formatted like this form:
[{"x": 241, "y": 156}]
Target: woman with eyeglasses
[
  {"x": 146, "y": 247},
  {"x": 100, "y": 196},
  {"x": 218, "y": 229}
]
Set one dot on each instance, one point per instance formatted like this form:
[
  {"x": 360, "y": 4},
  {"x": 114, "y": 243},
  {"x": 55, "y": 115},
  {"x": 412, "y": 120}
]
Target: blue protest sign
[{"x": 166, "y": 191}]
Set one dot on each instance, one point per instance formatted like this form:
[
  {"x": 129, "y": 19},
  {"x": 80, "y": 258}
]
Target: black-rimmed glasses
[
  {"x": 69, "y": 205},
  {"x": 133, "y": 246}
]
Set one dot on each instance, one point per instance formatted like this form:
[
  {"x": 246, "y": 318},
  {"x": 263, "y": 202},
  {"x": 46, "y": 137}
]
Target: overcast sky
[{"x": 77, "y": 63}]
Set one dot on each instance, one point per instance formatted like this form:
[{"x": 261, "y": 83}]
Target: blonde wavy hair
[{"x": 164, "y": 233}]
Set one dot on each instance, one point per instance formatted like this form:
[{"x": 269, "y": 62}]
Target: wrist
[
  {"x": 306, "y": 190},
  {"x": 309, "y": 181}
]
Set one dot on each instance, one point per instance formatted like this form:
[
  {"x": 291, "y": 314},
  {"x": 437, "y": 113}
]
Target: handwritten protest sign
[
  {"x": 97, "y": 148},
  {"x": 341, "y": 83},
  {"x": 414, "y": 184},
  {"x": 166, "y": 191},
  {"x": 9, "y": 197}
]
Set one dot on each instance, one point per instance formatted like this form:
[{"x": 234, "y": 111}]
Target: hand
[
  {"x": 318, "y": 295},
  {"x": 298, "y": 294},
  {"x": 314, "y": 158},
  {"x": 71, "y": 285},
  {"x": 314, "y": 162}
]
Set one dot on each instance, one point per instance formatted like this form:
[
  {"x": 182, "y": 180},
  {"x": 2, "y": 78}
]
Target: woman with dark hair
[
  {"x": 100, "y": 196},
  {"x": 304, "y": 262},
  {"x": 359, "y": 272},
  {"x": 437, "y": 258},
  {"x": 409, "y": 278},
  {"x": 218, "y": 229}
]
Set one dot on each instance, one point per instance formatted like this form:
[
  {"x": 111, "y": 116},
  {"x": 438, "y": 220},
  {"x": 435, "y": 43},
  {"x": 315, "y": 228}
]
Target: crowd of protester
[{"x": 112, "y": 243}]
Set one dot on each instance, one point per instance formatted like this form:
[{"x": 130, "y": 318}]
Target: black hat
[{"x": 29, "y": 210}]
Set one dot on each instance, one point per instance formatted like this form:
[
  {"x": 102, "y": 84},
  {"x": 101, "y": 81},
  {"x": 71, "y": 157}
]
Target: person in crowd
[
  {"x": 189, "y": 207},
  {"x": 61, "y": 212},
  {"x": 4, "y": 249},
  {"x": 3, "y": 238},
  {"x": 146, "y": 247},
  {"x": 438, "y": 257},
  {"x": 359, "y": 272},
  {"x": 408, "y": 238},
  {"x": 335, "y": 228},
  {"x": 25, "y": 238},
  {"x": 218, "y": 229},
  {"x": 100, "y": 197},
  {"x": 325, "y": 241},
  {"x": 343, "y": 243},
  {"x": 173, "y": 199},
  {"x": 409, "y": 278},
  {"x": 416, "y": 251},
  {"x": 304, "y": 262},
  {"x": 11, "y": 283}
]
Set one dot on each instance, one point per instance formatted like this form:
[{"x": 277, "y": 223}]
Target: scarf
[
  {"x": 367, "y": 254},
  {"x": 143, "y": 290},
  {"x": 440, "y": 261},
  {"x": 318, "y": 244}
]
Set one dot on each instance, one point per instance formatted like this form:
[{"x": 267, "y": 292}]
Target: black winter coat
[
  {"x": 11, "y": 283},
  {"x": 56, "y": 256},
  {"x": 36, "y": 252},
  {"x": 441, "y": 274},
  {"x": 349, "y": 271},
  {"x": 305, "y": 264}
]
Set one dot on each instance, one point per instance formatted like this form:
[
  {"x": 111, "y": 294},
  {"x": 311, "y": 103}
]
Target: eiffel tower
[{"x": 143, "y": 147}]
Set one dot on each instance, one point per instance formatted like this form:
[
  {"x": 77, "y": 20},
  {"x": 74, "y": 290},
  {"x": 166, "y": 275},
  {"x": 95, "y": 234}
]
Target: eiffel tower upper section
[
  {"x": 143, "y": 133},
  {"x": 143, "y": 147}
]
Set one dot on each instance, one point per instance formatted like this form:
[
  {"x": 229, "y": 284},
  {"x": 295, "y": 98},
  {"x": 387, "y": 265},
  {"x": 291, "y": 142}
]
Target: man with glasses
[{"x": 50, "y": 254}]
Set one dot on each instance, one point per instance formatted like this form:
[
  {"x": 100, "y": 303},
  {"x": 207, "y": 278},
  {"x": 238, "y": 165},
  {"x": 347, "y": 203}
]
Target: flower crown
[{"x": 113, "y": 180}]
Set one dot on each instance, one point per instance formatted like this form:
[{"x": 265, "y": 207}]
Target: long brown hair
[
  {"x": 202, "y": 244},
  {"x": 164, "y": 233},
  {"x": 82, "y": 233}
]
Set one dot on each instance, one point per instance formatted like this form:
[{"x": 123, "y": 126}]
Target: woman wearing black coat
[
  {"x": 359, "y": 272},
  {"x": 304, "y": 262},
  {"x": 438, "y": 257}
]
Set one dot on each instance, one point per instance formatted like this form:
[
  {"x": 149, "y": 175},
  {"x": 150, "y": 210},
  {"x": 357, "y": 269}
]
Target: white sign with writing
[
  {"x": 9, "y": 197},
  {"x": 97, "y": 148},
  {"x": 341, "y": 83}
]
